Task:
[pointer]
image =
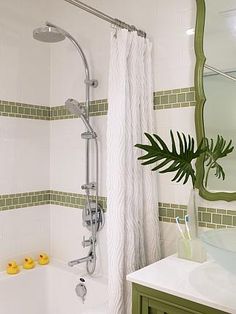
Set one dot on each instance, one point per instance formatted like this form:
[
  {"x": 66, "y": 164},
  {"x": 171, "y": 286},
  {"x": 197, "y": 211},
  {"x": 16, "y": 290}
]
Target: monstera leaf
[
  {"x": 214, "y": 153},
  {"x": 174, "y": 160}
]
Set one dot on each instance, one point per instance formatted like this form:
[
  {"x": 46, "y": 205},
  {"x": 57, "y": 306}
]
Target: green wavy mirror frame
[{"x": 200, "y": 102}]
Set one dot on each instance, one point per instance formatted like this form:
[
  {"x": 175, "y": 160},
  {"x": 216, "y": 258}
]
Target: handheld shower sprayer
[{"x": 79, "y": 110}]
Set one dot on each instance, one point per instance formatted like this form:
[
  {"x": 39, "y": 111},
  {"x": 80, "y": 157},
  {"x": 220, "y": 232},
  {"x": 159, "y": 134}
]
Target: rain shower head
[
  {"x": 79, "y": 110},
  {"x": 48, "y": 34}
]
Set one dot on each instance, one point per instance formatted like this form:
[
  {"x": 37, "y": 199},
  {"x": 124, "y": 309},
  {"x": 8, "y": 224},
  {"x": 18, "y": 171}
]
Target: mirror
[{"x": 215, "y": 83}]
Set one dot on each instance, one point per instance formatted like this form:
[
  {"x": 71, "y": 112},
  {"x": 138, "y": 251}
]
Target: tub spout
[{"x": 88, "y": 258}]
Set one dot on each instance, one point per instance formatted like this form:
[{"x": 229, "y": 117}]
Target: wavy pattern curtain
[{"x": 132, "y": 216}]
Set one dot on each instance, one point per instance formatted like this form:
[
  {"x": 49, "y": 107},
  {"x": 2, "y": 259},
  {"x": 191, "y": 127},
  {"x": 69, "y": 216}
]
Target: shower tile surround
[{"x": 167, "y": 99}]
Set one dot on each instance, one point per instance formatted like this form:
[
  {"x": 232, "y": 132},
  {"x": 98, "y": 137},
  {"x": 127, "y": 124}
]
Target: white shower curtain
[{"x": 132, "y": 215}]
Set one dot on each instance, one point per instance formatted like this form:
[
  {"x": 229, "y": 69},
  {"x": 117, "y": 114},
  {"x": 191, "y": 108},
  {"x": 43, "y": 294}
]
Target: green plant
[
  {"x": 180, "y": 160},
  {"x": 213, "y": 154}
]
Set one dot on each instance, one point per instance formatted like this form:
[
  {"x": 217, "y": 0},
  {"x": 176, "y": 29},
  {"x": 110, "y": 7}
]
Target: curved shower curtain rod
[
  {"x": 219, "y": 72},
  {"x": 106, "y": 17}
]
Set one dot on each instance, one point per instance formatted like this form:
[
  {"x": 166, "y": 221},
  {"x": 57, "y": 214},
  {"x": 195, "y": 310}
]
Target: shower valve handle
[
  {"x": 88, "y": 242},
  {"x": 93, "y": 83},
  {"x": 89, "y": 186}
]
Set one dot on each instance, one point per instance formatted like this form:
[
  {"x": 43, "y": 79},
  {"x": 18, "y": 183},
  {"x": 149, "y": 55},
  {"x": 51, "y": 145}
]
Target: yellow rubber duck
[
  {"x": 12, "y": 268},
  {"x": 28, "y": 263},
  {"x": 43, "y": 259}
]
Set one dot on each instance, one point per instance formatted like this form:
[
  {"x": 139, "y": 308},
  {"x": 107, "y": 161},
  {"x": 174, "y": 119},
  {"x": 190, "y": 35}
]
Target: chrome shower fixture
[
  {"x": 75, "y": 107},
  {"x": 52, "y": 34},
  {"x": 93, "y": 217},
  {"x": 48, "y": 34},
  {"x": 79, "y": 110}
]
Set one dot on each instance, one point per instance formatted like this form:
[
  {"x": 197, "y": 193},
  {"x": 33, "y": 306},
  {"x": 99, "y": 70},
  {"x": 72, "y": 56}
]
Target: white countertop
[{"x": 206, "y": 283}]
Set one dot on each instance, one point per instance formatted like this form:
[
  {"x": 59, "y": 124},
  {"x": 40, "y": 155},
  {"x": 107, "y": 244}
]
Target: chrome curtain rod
[
  {"x": 106, "y": 17},
  {"x": 220, "y": 72}
]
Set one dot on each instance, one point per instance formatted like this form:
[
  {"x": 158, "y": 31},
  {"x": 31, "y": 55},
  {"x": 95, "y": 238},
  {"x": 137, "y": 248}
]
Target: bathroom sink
[{"x": 221, "y": 246}]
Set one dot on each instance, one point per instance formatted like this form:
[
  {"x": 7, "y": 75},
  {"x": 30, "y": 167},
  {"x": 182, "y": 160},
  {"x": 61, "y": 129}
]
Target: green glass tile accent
[
  {"x": 231, "y": 212},
  {"x": 73, "y": 199},
  {"x": 207, "y": 217},
  {"x": 176, "y": 98},
  {"x": 170, "y": 213},
  {"x": 29, "y": 199},
  {"x": 227, "y": 220},
  {"x": 20, "y": 200},
  {"x": 27, "y": 111},
  {"x": 234, "y": 220},
  {"x": 179, "y": 213},
  {"x": 216, "y": 219},
  {"x": 211, "y": 210}
]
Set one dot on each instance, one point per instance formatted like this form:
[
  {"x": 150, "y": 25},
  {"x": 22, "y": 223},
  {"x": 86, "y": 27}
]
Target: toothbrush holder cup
[{"x": 192, "y": 250}]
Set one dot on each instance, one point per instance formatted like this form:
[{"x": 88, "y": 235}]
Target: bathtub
[{"x": 51, "y": 290}]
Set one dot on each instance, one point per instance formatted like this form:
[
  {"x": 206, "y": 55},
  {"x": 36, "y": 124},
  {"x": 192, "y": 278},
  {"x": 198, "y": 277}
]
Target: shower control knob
[
  {"x": 93, "y": 83},
  {"x": 88, "y": 242},
  {"x": 89, "y": 186}
]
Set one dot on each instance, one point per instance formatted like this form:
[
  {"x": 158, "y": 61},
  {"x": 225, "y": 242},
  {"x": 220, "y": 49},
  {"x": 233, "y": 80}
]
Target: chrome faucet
[
  {"x": 88, "y": 258},
  {"x": 91, "y": 256}
]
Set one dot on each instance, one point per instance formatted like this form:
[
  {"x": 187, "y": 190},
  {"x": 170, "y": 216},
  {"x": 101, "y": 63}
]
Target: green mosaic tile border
[
  {"x": 207, "y": 217},
  {"x": 167, "y": 99},
  {"x": 175, "y": 98},
  {"x": 29, "y": 199},
  {"x": 97, "y": 108},
  {"x": 73, "y": 199},
  {"x": 20, "y": 200},
  {"x": 27, "y": 111},
  {"x": 20, "y": 110}
]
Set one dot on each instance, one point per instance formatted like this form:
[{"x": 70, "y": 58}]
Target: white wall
[
  {"x": 24, "y": 157},
  {"x": 24, "y": 62},
  {"x": 24, "y": 232},
  {"x": 25, "y": 78}
]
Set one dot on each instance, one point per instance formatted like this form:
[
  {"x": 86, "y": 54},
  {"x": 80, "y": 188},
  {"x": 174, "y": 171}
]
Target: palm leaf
[
  {"x": 174, "y": 160},
  {"x": 214, "y": 153}
]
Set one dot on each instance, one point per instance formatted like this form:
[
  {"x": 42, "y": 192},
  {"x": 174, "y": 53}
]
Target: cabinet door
[
  {"x": 157, "y": 307},
  {"x": 149, "y": 301}
]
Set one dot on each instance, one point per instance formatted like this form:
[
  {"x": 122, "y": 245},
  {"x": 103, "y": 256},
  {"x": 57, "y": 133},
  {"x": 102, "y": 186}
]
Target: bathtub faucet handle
[{"x": 88, "y": 242}]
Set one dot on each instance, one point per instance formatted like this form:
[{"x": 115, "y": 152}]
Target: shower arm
[
  {"x": 87, "y": 80},
  {"x": 75, "y": 43}
]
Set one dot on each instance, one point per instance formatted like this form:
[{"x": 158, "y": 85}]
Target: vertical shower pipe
[{"x": 87, "y": 102}]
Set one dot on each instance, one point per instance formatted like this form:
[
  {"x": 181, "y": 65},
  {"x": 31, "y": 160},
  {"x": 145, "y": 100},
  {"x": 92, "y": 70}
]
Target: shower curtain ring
[{"x": 115, "y": 27}]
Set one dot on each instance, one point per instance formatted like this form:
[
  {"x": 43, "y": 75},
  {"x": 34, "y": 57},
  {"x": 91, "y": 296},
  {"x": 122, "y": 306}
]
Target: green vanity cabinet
[{"x": 149, "y": 301}]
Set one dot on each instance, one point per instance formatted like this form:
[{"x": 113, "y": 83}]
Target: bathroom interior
[{"x": 85, "y": 225}]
